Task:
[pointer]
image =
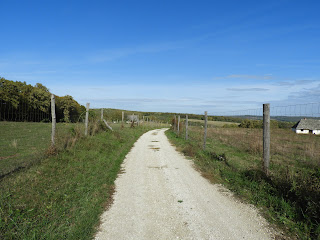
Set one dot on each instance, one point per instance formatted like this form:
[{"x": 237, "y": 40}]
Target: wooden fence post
[
  {"x": 53, "y": 115},
  {"x": 87, "y": 119},
  {"x": 205, "y": 129},
  {"x": 186, "y": 127},
  {"x": 108, "y": 126},
  {"x": 122, "y": 117},
  {"x": 101, "y": 114},
  {"x": 175, "y": 125},
  {"x": 178, "y": 124},
  {"x": 266, "y": 137}
]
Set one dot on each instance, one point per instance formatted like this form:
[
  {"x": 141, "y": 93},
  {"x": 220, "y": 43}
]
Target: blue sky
[{"x": 171, "y": 56}]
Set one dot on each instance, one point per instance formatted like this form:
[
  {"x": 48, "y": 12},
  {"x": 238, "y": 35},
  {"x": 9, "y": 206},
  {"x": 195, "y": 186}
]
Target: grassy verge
[
  {"x": 63, "y": 196},
  {"x": 289, "y": 197}
]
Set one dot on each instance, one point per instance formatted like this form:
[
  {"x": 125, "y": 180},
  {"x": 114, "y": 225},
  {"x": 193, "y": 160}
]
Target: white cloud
[
  {"x": 304, "y": 82},
  {"x": 248, "y": 89},
  {"x": 256, "y": 77}
]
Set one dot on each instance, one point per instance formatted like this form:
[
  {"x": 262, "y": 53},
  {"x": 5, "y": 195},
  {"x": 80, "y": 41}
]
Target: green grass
[
  {"x": 21, "y": 143},
  {"x": 289, "y": 197},
  {"x": 63, "y": 196},
  {"x": 24, "y": 143}
]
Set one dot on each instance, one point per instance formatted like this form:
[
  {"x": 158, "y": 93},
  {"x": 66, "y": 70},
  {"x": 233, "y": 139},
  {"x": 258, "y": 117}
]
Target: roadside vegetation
[
  {"x": 288, "y": 197},
  {"x": 63, "y": 195}
]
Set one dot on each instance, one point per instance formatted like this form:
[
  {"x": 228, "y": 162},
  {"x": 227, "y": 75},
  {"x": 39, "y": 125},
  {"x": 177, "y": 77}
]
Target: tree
[
  {"x": 39, "y": 97},
  {"x": 68, "y": 110},
  {"x": 9, "y": 92}
]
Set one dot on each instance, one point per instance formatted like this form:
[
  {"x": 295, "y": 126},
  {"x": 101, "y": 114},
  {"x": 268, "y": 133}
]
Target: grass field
[
  {"x": 289, "y": 197},
  {"x": 212, "y": 123},
  {"x": 25, "y": 143},
  {"x": 63, "y": 196}
]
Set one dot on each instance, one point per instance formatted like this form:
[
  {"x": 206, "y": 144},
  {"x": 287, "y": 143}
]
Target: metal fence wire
[
  {"x": 243, "y": 130},
  {"x": 23, "y": 112}
]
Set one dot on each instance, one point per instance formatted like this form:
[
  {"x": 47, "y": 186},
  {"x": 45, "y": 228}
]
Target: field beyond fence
[{"x": 23, "y": 144}]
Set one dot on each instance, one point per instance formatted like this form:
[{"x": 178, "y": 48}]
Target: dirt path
[{"x": 161, "y": 196}]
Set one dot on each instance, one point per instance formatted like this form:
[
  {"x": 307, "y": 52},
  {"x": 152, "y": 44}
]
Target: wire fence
[
  {"x": 295, "y": 132},
  {"x": 296, "y": 111},
  {"x": 23, "y": 111},
  {"x": 27, "y": 135}
]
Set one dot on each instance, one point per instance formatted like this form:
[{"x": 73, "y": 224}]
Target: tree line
[
  {"x": 20, "y": 101},
  {"x": 247, "y": 123}
]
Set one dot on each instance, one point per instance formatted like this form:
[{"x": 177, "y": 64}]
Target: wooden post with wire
[
  {"x": 186, "y": 127},
  {"x": 178, "y": 124},
  {"x": 266, "y": 137},
  {"x": 53, "y": 115},
  {"x": 205, "y": 129},
  {"x": 175, "y": 124},
  {"x": 101, "y": 114},
  {"x": 87, "y": 119}
]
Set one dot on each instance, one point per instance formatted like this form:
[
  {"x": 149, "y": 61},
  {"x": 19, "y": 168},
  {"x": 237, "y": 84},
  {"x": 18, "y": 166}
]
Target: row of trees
[{"x": 20, "y": 101}]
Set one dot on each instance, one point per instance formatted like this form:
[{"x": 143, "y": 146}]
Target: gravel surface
[{"x": 161, "y": 196}]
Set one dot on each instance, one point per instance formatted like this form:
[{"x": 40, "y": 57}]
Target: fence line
[
  {"x": 23, "y": 112},
  {"x": 256, "y": 132},
  {"x": 26, "y": 143},
  {"x": 293, "y": 110},
  {"x": 60, "y": 129}
]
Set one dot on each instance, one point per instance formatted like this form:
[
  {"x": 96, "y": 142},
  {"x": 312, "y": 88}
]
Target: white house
[{"x": 306, "y": 126}]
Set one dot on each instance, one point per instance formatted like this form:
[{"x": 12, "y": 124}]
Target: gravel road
[{"x": 161, "y": 196}]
